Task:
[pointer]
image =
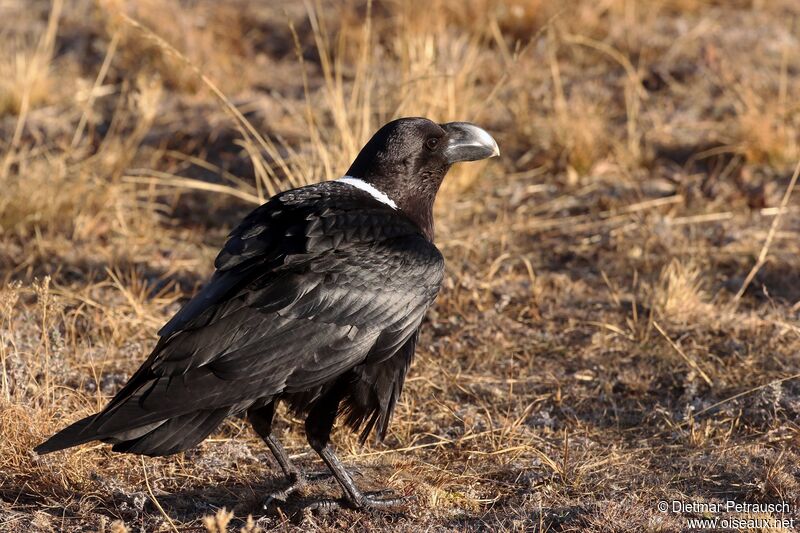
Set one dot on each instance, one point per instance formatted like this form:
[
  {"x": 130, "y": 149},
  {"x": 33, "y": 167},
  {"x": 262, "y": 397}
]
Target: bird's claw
[
  {"x": 324, "y": 505},
  {"x": 296, "y": 484},
  {"x": 382, "y": 499},
  {"x": 369, "y": 501}
]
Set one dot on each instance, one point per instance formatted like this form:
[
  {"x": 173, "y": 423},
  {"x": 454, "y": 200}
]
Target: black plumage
[{"x": 316, "y": 301}]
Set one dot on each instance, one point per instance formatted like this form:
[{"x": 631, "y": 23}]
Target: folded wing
[{"x": 311, "y": 284}]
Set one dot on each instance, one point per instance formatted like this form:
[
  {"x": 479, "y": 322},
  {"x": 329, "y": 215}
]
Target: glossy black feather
[{"x": 320, "y": 284}]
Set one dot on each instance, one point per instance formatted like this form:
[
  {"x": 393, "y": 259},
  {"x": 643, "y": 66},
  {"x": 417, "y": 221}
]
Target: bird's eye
[{"x": 432, "y": 143}]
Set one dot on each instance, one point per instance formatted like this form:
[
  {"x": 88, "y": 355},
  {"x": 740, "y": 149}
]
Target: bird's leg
[
  {"x": 319, "y": 424},
  {"x": 353, "y": 497},
  {"x": 261, "y": 420},
  {"x": 295, "y": 478}
]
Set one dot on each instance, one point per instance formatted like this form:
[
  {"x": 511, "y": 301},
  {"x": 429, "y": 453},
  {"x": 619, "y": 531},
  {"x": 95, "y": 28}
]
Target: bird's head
[{"x": 408, "y": 158}]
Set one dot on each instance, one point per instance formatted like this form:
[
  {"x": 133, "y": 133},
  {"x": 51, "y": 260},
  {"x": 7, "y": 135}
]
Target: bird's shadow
[
  {"x": 243, "y": 499},
  {"x": 250, "y": 500}
]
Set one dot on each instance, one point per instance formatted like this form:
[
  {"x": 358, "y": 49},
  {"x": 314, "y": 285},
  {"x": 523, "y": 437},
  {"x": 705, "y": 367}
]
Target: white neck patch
[{"x": 364, "y": 186}]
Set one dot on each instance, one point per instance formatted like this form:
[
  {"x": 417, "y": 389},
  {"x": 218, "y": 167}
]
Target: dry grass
[{"x": 619, "y": 323}]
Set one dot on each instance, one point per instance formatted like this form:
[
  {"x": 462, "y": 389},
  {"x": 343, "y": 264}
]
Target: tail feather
[
  {"x": 68, "y": 437},
  {"x": 163, "y": 437},
  {"x": 174, "y": 435}
]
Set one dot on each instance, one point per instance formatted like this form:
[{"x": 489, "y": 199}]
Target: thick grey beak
[{"x": 468, "y": 142}]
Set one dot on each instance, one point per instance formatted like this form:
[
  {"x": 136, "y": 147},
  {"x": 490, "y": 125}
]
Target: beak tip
[
  {"x": 469, "y": 142},
  {"x": 495, "y": 149}
]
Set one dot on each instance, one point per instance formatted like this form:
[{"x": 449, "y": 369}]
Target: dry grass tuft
[
  {"x": 117, "y": 526},
  {"x": 26, "y": 76},
  {"x": 218, "y": 523},
  {"x": 580, "y": 133},
  {"x": 768, "y": 133},
  {"x": 679, "y": 295},
  {"x": 250, "y": 526}
]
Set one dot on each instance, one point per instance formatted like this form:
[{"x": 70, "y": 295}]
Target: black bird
[{"x": 316, "y": 301}]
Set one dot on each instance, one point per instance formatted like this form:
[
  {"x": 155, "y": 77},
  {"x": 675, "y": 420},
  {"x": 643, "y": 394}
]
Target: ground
[{"x": 619, "y": 321}]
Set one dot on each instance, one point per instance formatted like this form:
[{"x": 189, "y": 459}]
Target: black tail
[
  {"x": 68, "y": 437},
  {"x": 173, "y": 435},
  {"x": 160, "y": 438}
]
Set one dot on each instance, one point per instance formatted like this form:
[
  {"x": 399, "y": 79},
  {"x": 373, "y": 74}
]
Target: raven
[{"x": 316, "y": 301}]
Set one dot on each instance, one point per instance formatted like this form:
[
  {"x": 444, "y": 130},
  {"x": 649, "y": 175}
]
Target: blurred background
[{"x": 619, "y": 323}]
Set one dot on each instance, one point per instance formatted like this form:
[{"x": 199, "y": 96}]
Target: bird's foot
[
  {"x": 297, "y": 482},
  {"x": 368, "y": 501}
]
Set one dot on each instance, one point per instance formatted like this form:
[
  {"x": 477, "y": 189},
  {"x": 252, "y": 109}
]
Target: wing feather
[{"x": 310, "y": 285}]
